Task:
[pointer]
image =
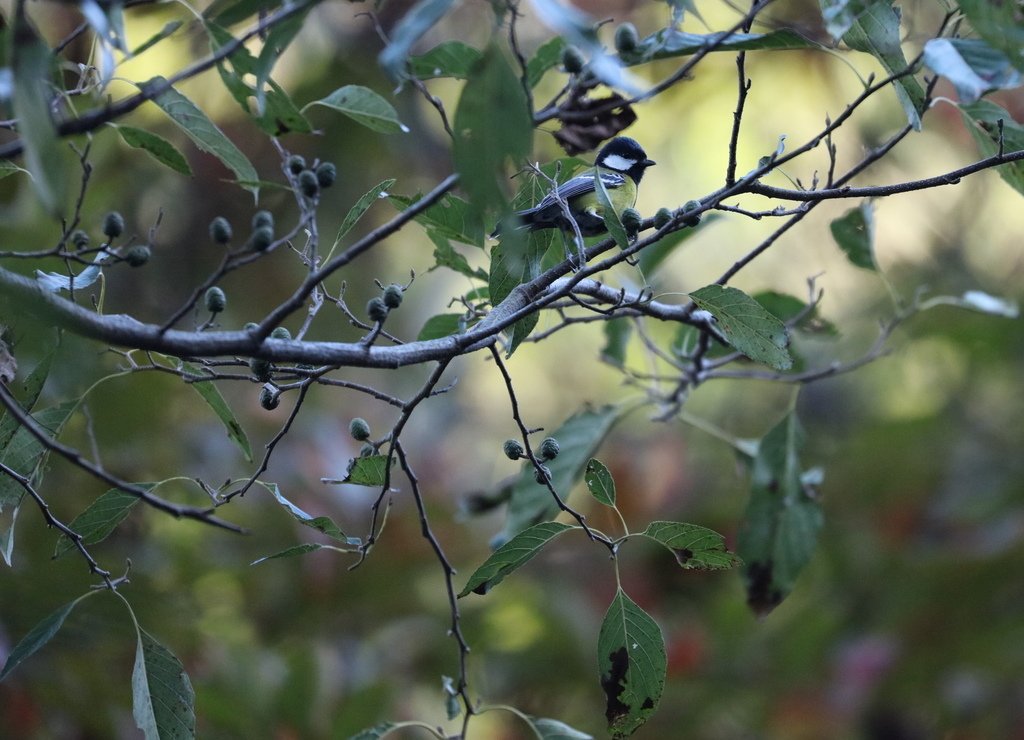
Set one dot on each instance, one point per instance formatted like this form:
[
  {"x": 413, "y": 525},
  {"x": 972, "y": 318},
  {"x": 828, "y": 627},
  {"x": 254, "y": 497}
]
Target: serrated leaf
[
  {"x": 876, "y": 30},
  {"x": 305, "y": 547},
  {"x": 414, "y": 23},
  {"x": 632, "y": 665},
  {"x": 162, "y": 696},
  {"x": 982, "y": 119},
  {"x": 203, "y": 132},
  {"x": 156, "y": 146},
  {"x": 442, "y": 325},
  {"x": 579, "y": 437},
  {"x": 100, "y": 518},
  {"x": 367, "y": 471},
  {"x": 694, "y": 547},
  {"x": 854, "y": 232},
  {"x": 39, "y": 635},
  {"x": 610, "y": 216},
  {"x": 973, "y": 66},
  {"x": 746, "y": 324},
  {"x": 209, "y": 392},
  {"x": 493, "y": 126},
  {"x": 361, "y": 206},
  {"x": 779, "y": 531},
  {"x": 449, "y": 59},
  {"x": 600, "y": 482},
  {"x": 553, "y": 729},
  {"x": 322, "y": 524},
  {"x": 512, "y": 555},
  {"x": 547, "y": 56},
  {"x": 363, "y": 106}
]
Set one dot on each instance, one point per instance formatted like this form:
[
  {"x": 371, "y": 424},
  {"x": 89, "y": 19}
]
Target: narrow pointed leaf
[
  {"x": 157, "y": 147},
  {"x": 694, "y": 547},
  {"x": 209, "y": 392},
  {"x": 305, "y": 547},
  {"x": 512, "y": 555},
  {"x": 600, "y": 482},
  {"x": 362, "y": 205},
  {"x": 414, "y": 24},
  {"x": 100, "y": 518},
  {"x": 363, "y": 106},
  {"x": 39, "y": 635},
  {"x": 322, "y": 524},
  {"x": 449, "y": 59},
  {"x": 632, "y": 664},
  {"x": 163, "y": 702},
  {"x": 553, "y": 729},
  {"x": 746, "y": 324}
]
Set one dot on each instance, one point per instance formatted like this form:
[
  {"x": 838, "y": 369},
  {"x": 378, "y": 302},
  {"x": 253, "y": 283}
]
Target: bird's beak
[{"x": 649, "y": 162}]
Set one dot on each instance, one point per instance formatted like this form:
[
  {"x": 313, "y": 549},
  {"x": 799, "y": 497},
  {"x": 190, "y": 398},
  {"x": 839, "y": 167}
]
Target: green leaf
[
  {"x": 442, "y": 325},
  {"x": 552, "y": 729},
  {"x": 367, "y": 471},
  {"x": 27, "y": 455},
  {"x": 100, "y": 518},
  {"x": 321, "y": 524},
  {"x": 31, "y": 389},
  {"x": 854, "y": 232},
  {"x": 356, "y": 212},
  {"x": 746, "y": 324},
  {"x": 156, "y": 146},
  {"x": 840, "y": 15},
  {"x": 493, "y": 125},
  {"x": 579, "y": 436},
  {"x": 632, "y": 664},
  {"x": 363, "y": 106},
  {"x": 302, "y": 549},
  {"x": 999, "y": 24},
  {"x": 162, "y": 696},
  {"x": 616, "y": 338},
  {"x": 376, "y": 732},
  {"x": 514, "y": 261},
  {"x": 786, "y": 308},
  {"x": 448, "y": 59},
  {"x": 548, "y": 56},
  {"x": 209, "y": 392},
  {"x": 414, "y": 23},
  {"x": 600, "y": 482},
  {"x": 694, "y": 547},
  {"x": 8, "y": 168},
  {"x": 39, "y": 635},
  {"x": 982, "y": 119},
  {"x": 202, "y": 130},
  {"x": 274, "y": 45},
  {"x": 973, "y": 66},
  {"x": 876, "y": 30},
  {"x": 169, "y": 28},
  {"x": 652, "y": 257},
  {"x": 779, "y": 531},
  {"x": 610, "y": 215},
  {"x": 32, "y": 68},
  {"x": 450, "y": 217},
  {"x": 445, "y": 255},
  {"x": 512, "y": 555},
  {"x": 671, "y": 42}
]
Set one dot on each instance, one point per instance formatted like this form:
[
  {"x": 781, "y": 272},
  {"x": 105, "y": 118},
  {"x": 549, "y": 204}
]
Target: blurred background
[{"x": 909, "y": 623}]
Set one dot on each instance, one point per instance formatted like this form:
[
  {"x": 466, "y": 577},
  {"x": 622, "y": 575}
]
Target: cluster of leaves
[{"x": 491, "y": 133}]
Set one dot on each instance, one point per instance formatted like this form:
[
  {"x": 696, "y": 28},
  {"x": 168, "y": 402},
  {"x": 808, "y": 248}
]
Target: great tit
[{"x": 620, "y": 164}]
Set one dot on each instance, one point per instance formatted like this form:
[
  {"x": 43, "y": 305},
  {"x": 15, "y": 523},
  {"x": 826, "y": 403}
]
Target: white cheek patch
[{"x": 618, "y": 162}]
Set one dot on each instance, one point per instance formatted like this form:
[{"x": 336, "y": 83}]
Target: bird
[{"x": 620, "y": 164}]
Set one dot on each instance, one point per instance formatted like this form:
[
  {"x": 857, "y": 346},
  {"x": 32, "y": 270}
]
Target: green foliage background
[{"x": 908, "y": 619}]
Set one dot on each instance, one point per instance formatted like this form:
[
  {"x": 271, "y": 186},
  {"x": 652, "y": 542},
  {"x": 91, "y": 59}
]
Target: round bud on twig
[
  {"x": 281, "y": 333},
  {"x": 326, "y": 174},
  {"x": 626, "y": 38},
  {"x": 359, "y": 429},
  {"x": 393, "y": 295},
  {"x": 296, "y": 163},
  {"x": 113, "y": 225},
  {"x": 377, "y": 309},
  {"x": 631, "y": 221},
  {"x": 549, "y": 449},
  {"x": 261, "y": 238},
  {"x": 262, "y": 218},
  {"x": 572, "y": 60},
  {"x": 261, "y": 369},
  {"x": 138, "y": 255},
  {"x": 513, "y": 449},
  {"x": 220, "y": 230},
  {"x": 662, "y": 217},
  {"x": 270, "y": 397},
  {"x": 308, "y": 183},
  {"x": 215, "y": 299}
]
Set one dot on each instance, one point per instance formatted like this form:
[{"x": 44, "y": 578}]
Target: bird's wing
[{"x": 580, "y": 185}]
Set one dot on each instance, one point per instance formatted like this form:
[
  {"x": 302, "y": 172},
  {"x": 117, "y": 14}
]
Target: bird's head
[{"x": 624, "y": 155}]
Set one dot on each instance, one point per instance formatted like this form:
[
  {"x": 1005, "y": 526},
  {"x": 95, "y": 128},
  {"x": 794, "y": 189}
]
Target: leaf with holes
[
  {"x": 694, "y": 547},
  {"x": 600, "y": 482}
]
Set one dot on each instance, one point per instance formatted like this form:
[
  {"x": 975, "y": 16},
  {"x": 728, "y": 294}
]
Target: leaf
[
  {"x": 983, "y": 121},
  {"x": 514, "y": 261},
  {"x": 671, "y": 42},
  {"x": 779, "y": 531},
  {"x": 448, "y": 59},
  {"x": 610, "y": 216},
  {"x": 202, "y": 130},
  {"x": 746, "y": 324},
  {"x": 876, "y": 30},
  {"x": 367, "y": 471},
  {"x": 362, "y": 205},
  {"x": 632, "y": 664},
  {"x": 493, "y": 125},
  {"x": 442, "y": 325},
  {"x": 579, "y": 436},
  {"x": 999, "y": 24},
  {"x": 162, "y": 696},
  {"x": 209, "y": 392},
  {"x": 376, "y": 732},
  {"x": 39, "y": 635},
  {"x": 56, "y": 282},
  {"x": 973, "y": 66},
  {"x": 653, "y": 255},
  {"x": 446, "y": 256},
  {"x": 31, "y": 65},
  {"x": 512, "y": 555},
  {"x": 552, "y": 729},
  {"x": 976, "y": 300},
  {"x": 7, "y": 168},
  {"x": 854, "y": 232},
  {"x": 450, "y": 217},
  {"x": 305, "y": 547},
  {"x": 840, "y": 15},
  {"x": 26, "y": 455},
  {"x": 616, "y": 338},
  {"x": 169, "y": 28},
  {"x": 363, "y": 106},
  {"x": 787, "y": 308},
  {"x": 321, "y": 524},
  {"x": 274, "y": 44},
  {"x": 156, "y": 146},
  {"x": 548, "y": 56},
  {"x": 600, "y": 482},
  {"x": 100, "y": 518},
  {"x": 694, "y": 547},
  {"x": 416, "y": 21}
]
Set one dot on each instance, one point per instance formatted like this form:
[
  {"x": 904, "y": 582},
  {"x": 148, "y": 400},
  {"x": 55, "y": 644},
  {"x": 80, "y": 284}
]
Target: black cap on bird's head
[{"x": 625, "y": 155}]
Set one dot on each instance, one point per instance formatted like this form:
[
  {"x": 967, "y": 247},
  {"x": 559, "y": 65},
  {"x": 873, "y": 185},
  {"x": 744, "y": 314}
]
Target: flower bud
[
  {"x": 261, "y": 369},
  {"x": 513, "y": 449},
  {"x": 263, "y": 218},
  {"x": 270, "y": 397},
  {"x": 220, "y": 230},
  {"x": 631, "y": 221},
  {"x": 296, "y": 163},
  {"x": 393, "y": 296},
  {"x": 377, "y": 309},
  {"x": 216, "y": 301},
  {"x": 138, "y": 255},
  {"x": 662, "y": 217},
  {"x": 326, "y": 174},
  {"x": 261, "y": 238},
  {"x": 113, "y": 225},
  {"x": 308, "y": 183},
  {"x": 281, "y": 333},
  {"x": 549, "y": 449},
  {"x": 359, "y": 429},
  {"x": 572, "y": 60}
]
